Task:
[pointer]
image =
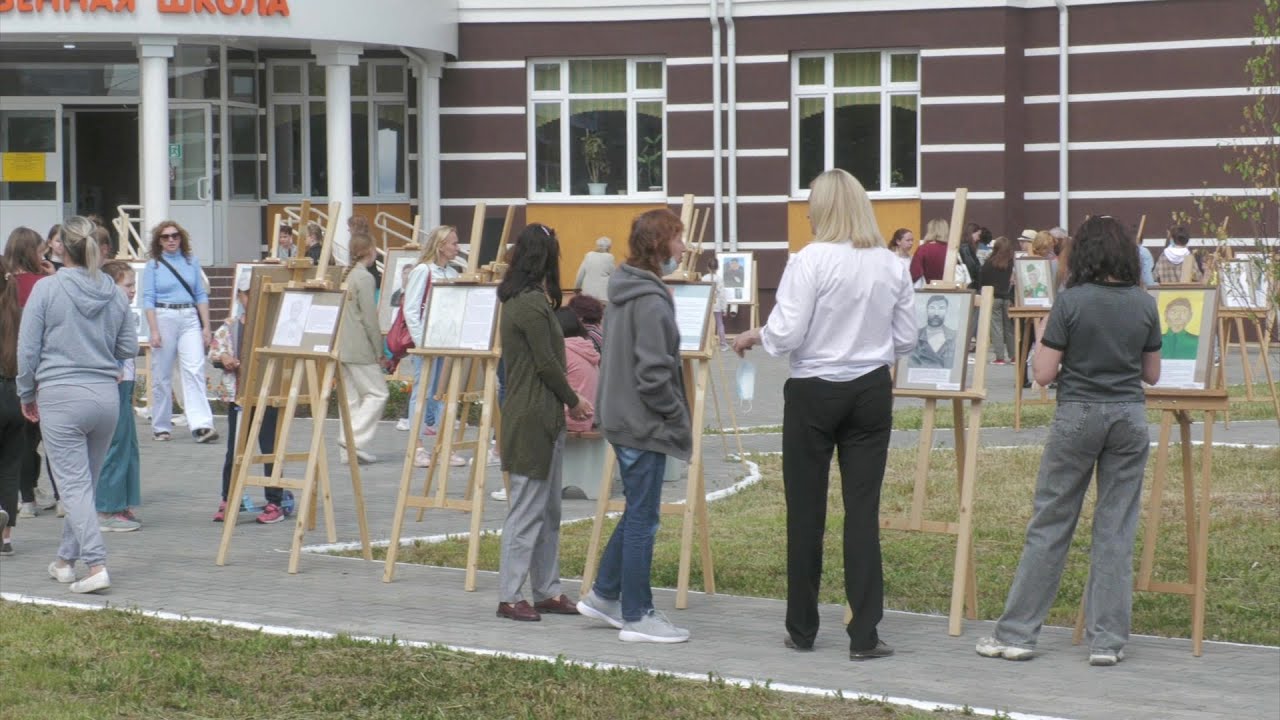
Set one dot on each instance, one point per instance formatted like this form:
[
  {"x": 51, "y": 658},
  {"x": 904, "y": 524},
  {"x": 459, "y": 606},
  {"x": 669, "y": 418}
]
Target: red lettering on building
[
  {"x": 173, "y": 6},
  {"x": 265, "y": 8},
  {"x": 102, "y": 5},
  {"x": 273, "y": 7}
]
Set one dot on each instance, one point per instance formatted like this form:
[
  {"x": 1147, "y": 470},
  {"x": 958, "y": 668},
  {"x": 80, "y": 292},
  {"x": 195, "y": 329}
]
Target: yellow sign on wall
[{"x": 22, "y": 167}]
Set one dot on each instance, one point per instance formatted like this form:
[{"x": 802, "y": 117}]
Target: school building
[{"x": 218, "y": 113}]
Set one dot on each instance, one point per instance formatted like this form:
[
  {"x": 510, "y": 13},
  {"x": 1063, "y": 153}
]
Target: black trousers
[
  {"x": 30, "y": 472},
  {"x": 13, "y": 447},
  {"x": 856, "y": 418},
  {"x": 266, "y": 444}
]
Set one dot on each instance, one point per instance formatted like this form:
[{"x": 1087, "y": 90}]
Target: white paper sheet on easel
[
  {"x": 691, "y": 303},
  {"x": 477, "y": 319},
  {"x": 1180, "y": 374},
  {"x": 322, "y": 319}
]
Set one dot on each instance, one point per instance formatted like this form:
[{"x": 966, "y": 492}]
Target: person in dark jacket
[
  {"x": 533, "y": 423},
  {"x": 997, "y": 272},
  {"x": 643, "y": 412}
]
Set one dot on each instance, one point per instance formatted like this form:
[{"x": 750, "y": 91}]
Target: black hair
[
  {"x": 1180, "y": 235},
  {"x": 570, "y": 325},
  {"x": 984, "y": 236},
  {"x": 937, "y": 298},
  {"x": 534, "y": 265},
  {"x": 1102, "y": 251}
]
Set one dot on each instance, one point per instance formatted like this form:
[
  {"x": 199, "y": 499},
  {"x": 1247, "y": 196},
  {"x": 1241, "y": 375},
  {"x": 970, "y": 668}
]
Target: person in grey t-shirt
[{"x": 1100, "y": 342}]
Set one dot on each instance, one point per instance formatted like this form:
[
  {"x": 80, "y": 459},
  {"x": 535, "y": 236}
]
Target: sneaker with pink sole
[{"x": 271, "y": 514}]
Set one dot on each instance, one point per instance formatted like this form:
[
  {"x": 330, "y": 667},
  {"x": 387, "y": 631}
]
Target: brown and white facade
[{"x": 739, "y": 103}]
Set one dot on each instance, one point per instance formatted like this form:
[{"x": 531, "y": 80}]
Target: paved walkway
[{"x": 169, "y": 566}]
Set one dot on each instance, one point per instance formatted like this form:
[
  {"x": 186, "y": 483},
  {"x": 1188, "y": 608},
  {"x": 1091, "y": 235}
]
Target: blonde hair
[
  {"x": 1042, "y": 243},
  {"x": 79, "y": 244},
  {"x": 360, "y": 244},
  {"x": 431, "y": 250},
  {"x": 841, "y": 211},
  {"x": 937, "y": 229}
]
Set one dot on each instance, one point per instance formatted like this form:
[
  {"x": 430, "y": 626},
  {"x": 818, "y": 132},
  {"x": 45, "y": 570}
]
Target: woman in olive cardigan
[{"x": 533, "y": 427}]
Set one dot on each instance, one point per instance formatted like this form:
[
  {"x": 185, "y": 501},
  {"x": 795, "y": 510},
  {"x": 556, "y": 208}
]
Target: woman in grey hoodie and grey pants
[{"x": 71, "y": 340}]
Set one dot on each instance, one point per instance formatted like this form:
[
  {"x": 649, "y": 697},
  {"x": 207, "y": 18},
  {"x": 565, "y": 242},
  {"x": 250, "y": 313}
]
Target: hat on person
[
  {"x": 1027, "y": 235},
  {"x": 243, "y": 282}
]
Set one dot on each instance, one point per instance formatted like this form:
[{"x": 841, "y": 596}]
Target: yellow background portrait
[{"x": 1197, "y": 308}]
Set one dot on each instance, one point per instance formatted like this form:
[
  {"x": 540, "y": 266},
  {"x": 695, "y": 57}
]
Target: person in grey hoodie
[
  {"x": 73, "y": 335},
  {"x": 643, "y": 413}
]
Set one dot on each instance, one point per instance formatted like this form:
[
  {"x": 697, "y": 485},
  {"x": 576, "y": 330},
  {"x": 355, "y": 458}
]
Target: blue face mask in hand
[
  {"x": 746, "y": 383},
  {"x": 670, "y": 266}
]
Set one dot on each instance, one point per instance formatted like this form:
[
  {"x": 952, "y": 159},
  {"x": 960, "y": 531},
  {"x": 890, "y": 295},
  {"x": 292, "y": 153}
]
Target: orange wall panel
[
  {"x": 578, "y": 226},
  {"x": 890, "y": 215}
]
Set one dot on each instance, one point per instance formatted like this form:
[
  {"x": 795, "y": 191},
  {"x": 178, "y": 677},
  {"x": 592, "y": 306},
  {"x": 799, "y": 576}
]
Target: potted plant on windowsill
[
  {"x": 650, "y": 158},
  {"x": 595, "y": 154}
]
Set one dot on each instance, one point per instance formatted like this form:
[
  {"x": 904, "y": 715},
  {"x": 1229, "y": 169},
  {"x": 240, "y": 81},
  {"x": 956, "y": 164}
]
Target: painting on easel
[
  {"x": 938, "y": 361},
  {"x": 736, "y": 271},
  {"x": 461, "y": 317},
  {"x": 1033, "y": 277},
  {"x": 1243, "y": 285},
  {"x": 1187, "y": 317},
  {"x": 307, "y": 321},
  {"x": 395, "y": 276}
]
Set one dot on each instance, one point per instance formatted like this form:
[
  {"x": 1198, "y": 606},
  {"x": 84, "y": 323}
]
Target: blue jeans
[
  {"x": 624, "y": 569},
  {"x": 435, "y": 408}
]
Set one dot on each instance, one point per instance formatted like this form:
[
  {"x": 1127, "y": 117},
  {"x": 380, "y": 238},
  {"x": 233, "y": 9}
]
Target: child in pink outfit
[{"x": 583, "y": 361}]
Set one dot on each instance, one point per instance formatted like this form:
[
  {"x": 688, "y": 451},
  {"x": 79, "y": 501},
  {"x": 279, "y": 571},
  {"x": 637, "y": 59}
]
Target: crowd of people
[{"x": 609, "y": 361}]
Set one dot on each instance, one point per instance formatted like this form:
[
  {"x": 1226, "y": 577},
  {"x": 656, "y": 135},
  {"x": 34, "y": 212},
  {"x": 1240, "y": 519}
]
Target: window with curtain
[
  {"x": 858, "y": 111},
  {"x": 596, "y": 127},
  {"x": 379, "y": 129}
]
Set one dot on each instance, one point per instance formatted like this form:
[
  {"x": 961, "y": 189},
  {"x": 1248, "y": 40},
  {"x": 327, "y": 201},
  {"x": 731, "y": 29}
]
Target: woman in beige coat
[{"x": 360, "y": 349}]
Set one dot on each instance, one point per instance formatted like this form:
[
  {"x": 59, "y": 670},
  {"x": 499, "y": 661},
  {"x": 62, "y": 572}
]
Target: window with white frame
[
  {"x": 596, "y": 127},
  {"x": 379, "y": 130},
  {"x": 859, "y": 111}
]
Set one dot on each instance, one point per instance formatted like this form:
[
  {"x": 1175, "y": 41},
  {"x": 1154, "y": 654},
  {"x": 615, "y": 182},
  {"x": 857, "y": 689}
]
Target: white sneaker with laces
[
  {"x": 402, "y": 424},
  {"x": 45, "y": 499},
  {"x": 993, "y": 648},
  {"x": 654, "y": 627},
  {"x": 1105, "y": 658},
  {"x": 26, "y": 510},
  {"x": 499, "y": 494},
  {"x": 594, "y": 606}
]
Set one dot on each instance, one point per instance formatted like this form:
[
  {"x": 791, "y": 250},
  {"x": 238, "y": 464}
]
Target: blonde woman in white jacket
[{"x": 434, "y": 262}]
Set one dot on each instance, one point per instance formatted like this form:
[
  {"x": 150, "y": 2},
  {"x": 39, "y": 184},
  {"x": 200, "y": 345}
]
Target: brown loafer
[
  {"x": 557, "y": 606},
  {"x": 518, "y": 611}
]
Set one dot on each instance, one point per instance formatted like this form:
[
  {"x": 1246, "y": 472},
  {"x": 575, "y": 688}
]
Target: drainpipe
[
  {"x": 717, "y": 173},
  {"x": 1064, "y": 43},
  {"x": 733, "y": 125}
]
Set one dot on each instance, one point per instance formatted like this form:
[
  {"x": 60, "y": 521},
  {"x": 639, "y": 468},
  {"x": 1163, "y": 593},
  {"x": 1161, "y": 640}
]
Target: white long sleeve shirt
[
  {"x": 415, "y": 316},
  {"x": 842, "y": 312}
]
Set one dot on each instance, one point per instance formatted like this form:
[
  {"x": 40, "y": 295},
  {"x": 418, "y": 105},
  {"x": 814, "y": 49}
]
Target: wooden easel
[
  {"x": 964, "y": 584},
  {"x": 1024, "y": 319},
  {"x": 446, "y": 442},
  {"x": 1237, "y": 317},
  {"x": 291, "y": 368},
  {"x": 697, "y": 372},
  {"x": 1177, "y": 406}
]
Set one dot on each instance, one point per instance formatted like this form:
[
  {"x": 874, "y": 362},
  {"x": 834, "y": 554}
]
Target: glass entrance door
[
  {"x": 30, "y": 166},
  {"x": 191, "y": 174}
]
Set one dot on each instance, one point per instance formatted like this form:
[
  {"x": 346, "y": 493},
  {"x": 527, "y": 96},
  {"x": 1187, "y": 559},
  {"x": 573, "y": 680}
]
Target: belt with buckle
[{"x": 174, "y": 306}]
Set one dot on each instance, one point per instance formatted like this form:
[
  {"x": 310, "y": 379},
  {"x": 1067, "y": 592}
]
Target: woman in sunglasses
[{"x": 177, "y": 305}]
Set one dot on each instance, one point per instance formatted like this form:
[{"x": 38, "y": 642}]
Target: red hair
[{"x": 650, "y": 241}]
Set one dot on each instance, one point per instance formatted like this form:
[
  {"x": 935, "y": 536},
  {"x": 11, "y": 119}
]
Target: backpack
[{"x": 399, "y": 340}]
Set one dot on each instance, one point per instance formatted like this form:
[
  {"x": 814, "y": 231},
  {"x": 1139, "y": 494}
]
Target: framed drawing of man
[
  {"x": 1034, "y": 282},
  {"x": 737, "y": 273},
  {"x": 461, "y": 318},
  {"x": 1188, "y": 314},
  {"x": 395, "y": 273},
  {"x": 1242, "y": 285},
  {"x": 938, "y": 361}
]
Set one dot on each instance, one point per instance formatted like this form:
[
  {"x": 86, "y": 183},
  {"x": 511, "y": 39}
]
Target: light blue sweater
[
  {"x": 161, "y": 286},
  {"x": 74, "y": 331}
]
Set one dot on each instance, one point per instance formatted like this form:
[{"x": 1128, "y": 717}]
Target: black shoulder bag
[{"x": 185, "y": 285}]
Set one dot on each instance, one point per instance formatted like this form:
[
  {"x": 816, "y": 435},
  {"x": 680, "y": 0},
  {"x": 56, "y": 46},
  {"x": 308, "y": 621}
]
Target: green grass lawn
[
  {"x": 60, "y": 664},
  {"x": 747, "y": 532}
]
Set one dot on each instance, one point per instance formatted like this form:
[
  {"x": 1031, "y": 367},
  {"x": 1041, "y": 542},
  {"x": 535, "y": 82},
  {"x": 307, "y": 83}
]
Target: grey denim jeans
[{"x": 1114, "y": 438}]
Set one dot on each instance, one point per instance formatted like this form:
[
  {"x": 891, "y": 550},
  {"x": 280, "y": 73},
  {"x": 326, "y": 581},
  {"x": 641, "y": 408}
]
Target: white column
[
  {"x": 153, "y": 61},
  {"x": 428, "y": 72},
  {"x": 337, "y": 59}
]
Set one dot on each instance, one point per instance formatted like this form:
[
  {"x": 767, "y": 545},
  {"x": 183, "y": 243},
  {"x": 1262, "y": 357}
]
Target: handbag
[
  {"x": 185, "y": 285},
  {"x": 399, "y": 341}
]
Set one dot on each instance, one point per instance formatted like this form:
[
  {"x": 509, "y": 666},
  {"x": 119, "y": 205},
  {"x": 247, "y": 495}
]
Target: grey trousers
[
  {"x": 531, "y": 535},
  {"x": 77, "y": 422},
  {"x": 1114, "y": 437}
]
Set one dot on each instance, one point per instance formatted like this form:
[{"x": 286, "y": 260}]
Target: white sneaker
[
  {"x": 27, "y": 510},
  {"x": 1105, "y": 658},
  {"x": 179, "y": 420},
  {"x": 499, "y": 494},
  {"x": 494, "y": 457},
  {"x": 402, "y": 424},
  {"x": 594, "y": 606},
  {"x": 62, "y": 573},
  {"x": 92, "y": 583},
  {"x": 362, "y": 457},
  {"x": 421, "y": 458},
  {"x": 654, "y": 627},
  {"x": 993, "y": 648},
  {"x": 45, "y": 499}
]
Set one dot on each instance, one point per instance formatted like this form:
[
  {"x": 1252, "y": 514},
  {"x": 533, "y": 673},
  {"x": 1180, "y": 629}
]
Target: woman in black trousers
[{"x": 845, "y": 311}]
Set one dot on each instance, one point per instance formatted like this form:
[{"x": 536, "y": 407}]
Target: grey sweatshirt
[
  {"x": 641, "y": 402},
  {"x": 74, "y": 331}
]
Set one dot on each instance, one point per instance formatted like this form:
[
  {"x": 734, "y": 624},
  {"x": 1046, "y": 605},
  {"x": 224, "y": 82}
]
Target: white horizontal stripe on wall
[
  {"x": 1151, "y": 193},
  {"x": 493, "y": 110},
  {"x": 963, "y": 148},
  {"x": 1189, "y": 93},
  {"x": 1154, "y": 144},
  {"x": 1155, "y": 46},
  {"x": 741, "y": 60},
  {"x": 973, "y": 195},
  {"x": 472, "y": 202},
  {"x": 485, "y": 65},
  {"x": 960, "y": 52},
  {"x": 742, "y": 153},
  {"x": 689, "y": 107},
  {"x": 764, "y": 245},
  {"x": 1159, "y": 241},
  {"x": 763, "y": 199},
  {"x": 460, "y": 157},
  {"x": 961, "y": 99},
  {"x": 774, "y": 105}
]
